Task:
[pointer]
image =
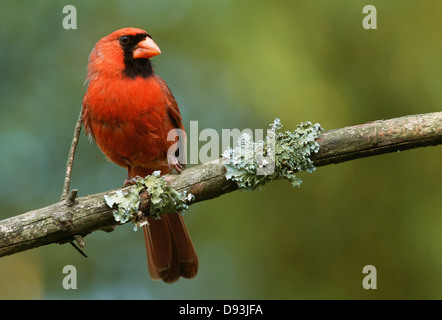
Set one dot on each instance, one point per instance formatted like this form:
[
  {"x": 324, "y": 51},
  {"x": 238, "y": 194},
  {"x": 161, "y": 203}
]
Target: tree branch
[
  {"x": 379, "y": 137},
  {"x": 72, "y": 219}
]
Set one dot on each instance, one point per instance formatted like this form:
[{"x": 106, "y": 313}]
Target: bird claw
[
  {"x": 130, "y": 181},
  {"x": 174, "y": 164}
]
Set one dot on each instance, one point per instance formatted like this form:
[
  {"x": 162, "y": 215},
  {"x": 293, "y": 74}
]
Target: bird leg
[{"x": 130, "y": 181}]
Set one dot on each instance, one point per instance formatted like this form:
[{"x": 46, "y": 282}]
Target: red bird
[{"x": 129, "y": 111}]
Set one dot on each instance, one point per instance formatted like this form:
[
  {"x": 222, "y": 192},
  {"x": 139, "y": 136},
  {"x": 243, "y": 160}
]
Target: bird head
[{"x": 126, "y": 51}]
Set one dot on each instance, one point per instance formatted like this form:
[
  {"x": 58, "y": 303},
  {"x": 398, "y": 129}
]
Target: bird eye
[{"x": 124, "y": 40}]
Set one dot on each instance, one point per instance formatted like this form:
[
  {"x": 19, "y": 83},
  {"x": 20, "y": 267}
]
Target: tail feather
[
  {"x": 158, "y": 247},
  {"x": 187, "y": 256},
  {"x": 170, "y": 252}
]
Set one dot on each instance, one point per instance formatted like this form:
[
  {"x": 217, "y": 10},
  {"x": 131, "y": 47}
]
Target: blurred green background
[{"x": 236, "y": 64}]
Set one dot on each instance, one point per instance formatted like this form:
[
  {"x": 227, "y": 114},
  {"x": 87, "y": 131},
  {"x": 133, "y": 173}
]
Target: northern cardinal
[{"x": 129, "y": 111}]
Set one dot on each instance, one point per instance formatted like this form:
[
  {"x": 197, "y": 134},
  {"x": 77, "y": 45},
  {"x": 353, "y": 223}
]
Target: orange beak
[{"x": 146, "y": 49}]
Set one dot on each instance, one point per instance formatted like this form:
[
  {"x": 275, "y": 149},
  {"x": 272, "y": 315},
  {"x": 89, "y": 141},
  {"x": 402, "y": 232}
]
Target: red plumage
[{"x": 129, "y": 111}]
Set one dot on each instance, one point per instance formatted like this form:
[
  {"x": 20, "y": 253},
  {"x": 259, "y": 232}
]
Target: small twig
[
  {"x": 79, "y": 239},
  {"x": 70, "y": 200},
  {"x": 78, "y": 249},
  {"x": 70, "y": 162}
]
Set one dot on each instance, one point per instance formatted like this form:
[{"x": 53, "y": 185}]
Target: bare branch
[{"x": 378, "y": 137}]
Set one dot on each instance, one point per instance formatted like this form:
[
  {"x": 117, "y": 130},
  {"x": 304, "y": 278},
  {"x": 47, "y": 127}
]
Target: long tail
[{"x": 170, "y": 252}]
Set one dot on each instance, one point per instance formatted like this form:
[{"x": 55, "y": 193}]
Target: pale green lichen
[
  {"x": 127, "y": 204},
  {"x": 252, "y": 164},
  {"x": 163, "y": 199}
]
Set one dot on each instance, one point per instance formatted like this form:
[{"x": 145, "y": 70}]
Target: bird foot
[
  {"x": 130, "y": 181},
  {"x": 174, "y": 164}
]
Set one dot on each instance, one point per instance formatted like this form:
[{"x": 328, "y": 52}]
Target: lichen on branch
[
  {"x": 163, "y": 199},
  {"x": 252, "y": 164},
  {"x": 207, "y": 181}
]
